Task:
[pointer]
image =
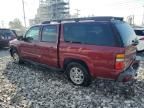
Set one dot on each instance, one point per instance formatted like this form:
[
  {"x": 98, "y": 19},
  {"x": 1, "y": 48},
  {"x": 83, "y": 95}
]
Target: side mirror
[{"x": 28, "y": 39}]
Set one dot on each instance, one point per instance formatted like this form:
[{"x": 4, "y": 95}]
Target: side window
[
  {"x": 33, "y": 33},
  {"x": 126, "y": 32},
  {"x": 49, "y": 33},
  {"x": 89, "y": 33}
]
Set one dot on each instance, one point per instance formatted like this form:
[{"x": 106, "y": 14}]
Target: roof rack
[{"x": 109, "y": 18}]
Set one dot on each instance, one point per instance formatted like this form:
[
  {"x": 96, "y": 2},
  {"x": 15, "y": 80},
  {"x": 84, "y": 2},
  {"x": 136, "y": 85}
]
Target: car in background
[
  {"x": 6, "y": 35},
  {"x": 19, "y": 32},
  {"x": 140, "y": 33},
  {"x": 15, "y": 32}
]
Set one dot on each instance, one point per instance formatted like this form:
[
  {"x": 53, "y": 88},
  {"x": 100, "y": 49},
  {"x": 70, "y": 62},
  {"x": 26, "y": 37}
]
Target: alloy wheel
[{"x": 76, "y": 75}]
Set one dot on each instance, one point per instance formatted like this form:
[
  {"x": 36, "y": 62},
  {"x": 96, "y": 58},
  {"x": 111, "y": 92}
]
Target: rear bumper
[{"x": 130, "y": 73}]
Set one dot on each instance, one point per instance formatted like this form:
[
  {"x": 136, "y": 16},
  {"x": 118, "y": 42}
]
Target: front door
[{"x": 27, "y": 48}]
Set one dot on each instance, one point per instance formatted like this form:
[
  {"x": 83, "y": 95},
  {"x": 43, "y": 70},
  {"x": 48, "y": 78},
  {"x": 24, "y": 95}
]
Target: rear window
[
  {"x": 6, "y": 32},
  {"x": 49, "y": 33},
  {"x": 126, "y": 32},
  {"x": 139, "y": 32},
  {"x": 89, "y": 33}
]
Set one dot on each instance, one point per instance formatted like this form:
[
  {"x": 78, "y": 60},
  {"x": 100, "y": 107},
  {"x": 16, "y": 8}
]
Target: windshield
[
  {"x": 127, "y": 33},
  {"x": 6, "y": 32},
  {"x": 139, "y": 32}
]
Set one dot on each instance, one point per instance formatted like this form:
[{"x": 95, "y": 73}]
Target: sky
[{"x": 10, "y": 9}]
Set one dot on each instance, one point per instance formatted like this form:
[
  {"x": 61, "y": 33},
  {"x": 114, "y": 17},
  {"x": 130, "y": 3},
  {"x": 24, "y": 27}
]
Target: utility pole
[
  {"x": 143, "y": 17},
  {"x": 24, "y": 13}
]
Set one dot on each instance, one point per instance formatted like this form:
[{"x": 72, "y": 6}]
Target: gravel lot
[
  {"x": 4, "y": 52},
  {"x": 27, "y": 86}
]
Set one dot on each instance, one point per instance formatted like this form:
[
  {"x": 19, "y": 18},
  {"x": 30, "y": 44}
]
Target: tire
[
  {"x": 16, "y": 58},
  {"x": 78, "y": 74}
]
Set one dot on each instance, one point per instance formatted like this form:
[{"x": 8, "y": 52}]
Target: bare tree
[{"x": 16, "y": 24}]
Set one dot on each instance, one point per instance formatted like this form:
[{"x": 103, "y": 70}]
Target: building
[{"x": 50, "y": 10}]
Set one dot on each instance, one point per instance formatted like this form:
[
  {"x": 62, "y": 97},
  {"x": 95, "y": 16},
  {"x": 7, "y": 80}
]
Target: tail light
[{"x": 120, "y": 64}]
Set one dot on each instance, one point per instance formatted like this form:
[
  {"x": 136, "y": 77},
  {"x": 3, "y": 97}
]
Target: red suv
[{"x": 85, "y": 48}]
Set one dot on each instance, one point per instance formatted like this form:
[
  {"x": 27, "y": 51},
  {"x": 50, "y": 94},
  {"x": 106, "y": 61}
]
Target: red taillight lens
[
  {"x": 127, "y": 78},
  {"x": 120, "y": 64}
]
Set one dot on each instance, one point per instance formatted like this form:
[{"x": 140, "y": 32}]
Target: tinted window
[
  {"x": 139, "y": 32},
  {"x": 33, "y": 33},
  {"x": 49, "y": 33},
  {"x": 89, "y": 33},
  {"x": 126, "y": 32}
]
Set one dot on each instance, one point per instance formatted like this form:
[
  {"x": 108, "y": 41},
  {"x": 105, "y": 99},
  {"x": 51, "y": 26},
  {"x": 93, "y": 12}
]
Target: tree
[{"x": 16, "y": 24}]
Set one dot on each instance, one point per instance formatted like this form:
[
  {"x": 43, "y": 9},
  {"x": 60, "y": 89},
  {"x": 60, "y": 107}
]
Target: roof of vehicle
[
  {"x": 5, "y": 29},
  {"x": 85, "y": 19},
  {"x": 139, "y": 28}
]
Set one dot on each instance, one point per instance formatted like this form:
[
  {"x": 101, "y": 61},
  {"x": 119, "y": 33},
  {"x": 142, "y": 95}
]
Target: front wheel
[
  {"x": 16, "y": 57},
  {"x": 78, "y": 74}
]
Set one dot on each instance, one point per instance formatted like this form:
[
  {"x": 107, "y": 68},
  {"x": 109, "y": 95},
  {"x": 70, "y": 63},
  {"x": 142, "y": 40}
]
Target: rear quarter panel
[{"x": 99, "y": 59}]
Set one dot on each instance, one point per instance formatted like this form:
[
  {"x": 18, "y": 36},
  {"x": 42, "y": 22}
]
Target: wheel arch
[
  {"x": 88, "y": 76},
  {"x": 70, "y": 60},
  {"x": 12, "y": 48}
]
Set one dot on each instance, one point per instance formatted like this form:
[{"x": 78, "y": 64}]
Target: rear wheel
[{"x": 78, "y": 74}]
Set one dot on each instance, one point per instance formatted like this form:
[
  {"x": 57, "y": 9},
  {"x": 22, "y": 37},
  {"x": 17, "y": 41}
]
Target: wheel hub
[
  {"x": 16, "y": 57},
  {"x": 76, "y": 75}
]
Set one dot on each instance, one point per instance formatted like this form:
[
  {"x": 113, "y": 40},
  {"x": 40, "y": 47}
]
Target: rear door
[
  {"x": 47, "y": 48},
  {"x": 28, "y": 48},
  {"x": 92, "y": 42},
  {"x": 128, "y": 36}
]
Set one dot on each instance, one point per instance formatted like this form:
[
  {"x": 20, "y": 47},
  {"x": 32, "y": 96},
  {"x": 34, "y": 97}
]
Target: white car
[{"x": 140, "y": 33}]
